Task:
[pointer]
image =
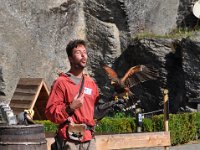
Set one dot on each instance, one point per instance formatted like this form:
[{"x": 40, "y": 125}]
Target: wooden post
[
  {"x": 166, "y": 113},
  {"x": 139, "y": 119}
]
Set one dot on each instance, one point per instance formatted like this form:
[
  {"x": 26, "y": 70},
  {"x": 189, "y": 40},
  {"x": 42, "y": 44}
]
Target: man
[{"x": 66, "y": 103}]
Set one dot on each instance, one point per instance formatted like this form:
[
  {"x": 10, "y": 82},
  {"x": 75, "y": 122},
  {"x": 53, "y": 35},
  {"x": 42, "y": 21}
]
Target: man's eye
[{"x": 78, "y": 52}]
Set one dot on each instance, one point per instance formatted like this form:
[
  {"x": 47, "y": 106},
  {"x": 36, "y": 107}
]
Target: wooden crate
[{"x": 30, "y": 93}]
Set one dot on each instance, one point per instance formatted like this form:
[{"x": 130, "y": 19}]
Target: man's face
[{"x": 79, "y": 57}]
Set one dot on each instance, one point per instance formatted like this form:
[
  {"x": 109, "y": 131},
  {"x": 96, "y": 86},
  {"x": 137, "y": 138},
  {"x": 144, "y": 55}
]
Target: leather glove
[
  {"x": 119, "y": 105},
  {"x": 102, "y": 110}
]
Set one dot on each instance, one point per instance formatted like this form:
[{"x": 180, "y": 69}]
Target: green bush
[
  {"x": 183, "y": 127},
  {"x": 147, "y": 125},
  {"x": 48, "y": 125},
  {"x": 158, "y": 123},
  {"x": 115, "y": 125},
  {"x": 197, "y": 119}
]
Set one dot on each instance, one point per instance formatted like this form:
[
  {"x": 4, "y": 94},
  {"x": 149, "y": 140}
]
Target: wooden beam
[
  {"x": 16, "y": 101},
  {"x": 20, "y": 105},
  {"x": 25, "y": 90},
  {"x": 30, "y": 81},
  {"x": 23, "y": 97},
  {"x": 136, "y": 140},
  {"x": 45, "y": 88}
]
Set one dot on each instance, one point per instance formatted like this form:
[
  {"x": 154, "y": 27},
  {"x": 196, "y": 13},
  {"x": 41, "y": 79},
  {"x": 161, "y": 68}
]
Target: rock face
[
  {"x": 185, "y": 17},
  {"x": 34, "y": 35},
  {"x": 191, "y": 61},
  {"x": 2, "y": 85},
  {"x": 158, "y": 16},
  {"x": 179, "y": 71},
  {"x": 33, "y": 38}
]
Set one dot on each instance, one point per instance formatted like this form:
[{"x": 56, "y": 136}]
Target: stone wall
[{"x": 34, "y": 35}]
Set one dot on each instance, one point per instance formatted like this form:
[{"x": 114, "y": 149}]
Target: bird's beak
[{"x": 112, "y": 82}]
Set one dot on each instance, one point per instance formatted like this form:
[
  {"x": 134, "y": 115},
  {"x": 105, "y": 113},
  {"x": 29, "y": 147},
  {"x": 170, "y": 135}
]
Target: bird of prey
[{"x": 132, "y": 77}]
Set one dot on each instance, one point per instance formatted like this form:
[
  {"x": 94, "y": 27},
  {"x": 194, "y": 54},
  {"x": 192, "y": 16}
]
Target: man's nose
[{"x": 83, "y": 54}]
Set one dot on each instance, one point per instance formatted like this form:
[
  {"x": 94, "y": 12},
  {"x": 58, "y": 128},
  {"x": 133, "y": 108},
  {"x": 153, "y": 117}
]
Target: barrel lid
[{"x": 21, "y": 126}]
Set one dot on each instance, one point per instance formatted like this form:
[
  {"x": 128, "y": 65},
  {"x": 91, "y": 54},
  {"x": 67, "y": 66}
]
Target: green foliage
[
  {"x": 48, "y": 125},
  {"x": 147, "y": 125},
  {"x": 119, "y": 115},
  {"x": 183, "y": 127},
  {"x": 197, "y": 120},
  {"x": 158, "y": 123},
  {"x": 115, "y": 125},
  {"x": 176, "y": 33}
]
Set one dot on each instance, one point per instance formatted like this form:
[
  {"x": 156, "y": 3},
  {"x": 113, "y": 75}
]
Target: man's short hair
[{"x": 73, "y": 44}]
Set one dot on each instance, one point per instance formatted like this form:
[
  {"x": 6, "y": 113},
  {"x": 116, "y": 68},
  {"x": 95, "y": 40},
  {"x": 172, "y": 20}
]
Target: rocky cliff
[{"x": 34, "y": 34}]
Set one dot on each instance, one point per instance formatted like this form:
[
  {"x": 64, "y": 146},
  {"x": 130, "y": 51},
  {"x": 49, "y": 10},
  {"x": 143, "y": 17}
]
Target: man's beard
[{"x": 79, "y": 66}]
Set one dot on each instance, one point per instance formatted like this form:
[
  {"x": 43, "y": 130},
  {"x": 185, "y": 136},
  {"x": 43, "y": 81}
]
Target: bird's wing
[
  {"x": 110, "y": 72},
  {"x": 138, "y": 74}
]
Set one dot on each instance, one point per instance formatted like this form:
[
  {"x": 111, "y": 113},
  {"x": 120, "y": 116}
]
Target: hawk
[{"x": 134, "y": 75}]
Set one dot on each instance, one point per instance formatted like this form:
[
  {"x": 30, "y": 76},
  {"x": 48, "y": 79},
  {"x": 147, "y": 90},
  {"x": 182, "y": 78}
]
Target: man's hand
[
  {"x": 119, "y": 105},
  {"x": 77, "y": 102}
]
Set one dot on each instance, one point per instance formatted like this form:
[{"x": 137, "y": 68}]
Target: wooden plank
[
  {"x": 20, "y": 101},
  {"x": 17, "y": 105},
  {"x": 24, "y": 93},
  {"x": 23, "y": 97},
  {"x": 26, "y": 87},
  {"x": 136, "y": 140},
  {"x": 30, "y": 81},
  {"x": 26, "y": 90}
]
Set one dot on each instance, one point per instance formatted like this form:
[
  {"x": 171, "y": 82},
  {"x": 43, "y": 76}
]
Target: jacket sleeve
[{"x": 56, "y": 107}]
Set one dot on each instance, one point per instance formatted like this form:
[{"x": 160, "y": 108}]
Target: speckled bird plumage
[{"x": 132, "y": 77}]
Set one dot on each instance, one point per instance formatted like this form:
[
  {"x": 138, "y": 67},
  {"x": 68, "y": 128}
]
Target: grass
[{"x": 174, "y": 34}]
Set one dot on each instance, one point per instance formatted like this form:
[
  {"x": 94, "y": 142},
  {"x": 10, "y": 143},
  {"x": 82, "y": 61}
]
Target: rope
[{"x": 151, "y": 112}]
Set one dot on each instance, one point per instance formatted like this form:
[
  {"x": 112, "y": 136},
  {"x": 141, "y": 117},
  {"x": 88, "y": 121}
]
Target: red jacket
[{"x": 62, "y": 93}]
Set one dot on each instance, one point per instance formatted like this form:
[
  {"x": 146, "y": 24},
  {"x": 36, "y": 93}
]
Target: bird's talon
[
  {"x": 125, "y": 97},
  {"x": 116, "y": 98}
]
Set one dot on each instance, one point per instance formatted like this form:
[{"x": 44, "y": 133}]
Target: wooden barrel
[{"x": 21, "y": 137}]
